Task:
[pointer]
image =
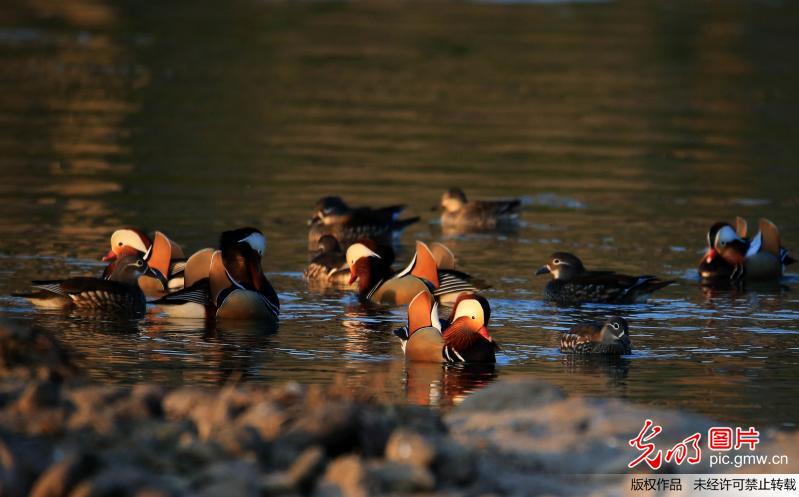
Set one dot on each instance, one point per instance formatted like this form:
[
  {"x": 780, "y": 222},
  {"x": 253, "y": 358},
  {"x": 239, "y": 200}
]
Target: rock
[
  {"x": 61, "y": 477},
  {"x": 454, "y": 463},
  {"x": 333, "y": 425},
  {"x": 265, "y": 417},
  {"x": 41, "y": 394},
  {"x": 509, "y": 395},
  {"x": 33, "y": 353},
  {"x": 393, "y": 478},
  {"x": 345, "y": 476},
  {"x": 229, "y": 478},
  {"x": 308, "y": 466},
  {"x": 408, "y": 447},
  {"x": 115, "y": 481}
]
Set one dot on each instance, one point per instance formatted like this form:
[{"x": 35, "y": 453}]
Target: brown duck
[
  {"x": 460, "y": 212},
  {"x": 572, "y": 284},
  {"x": 119, "y": 293},
  {"x": 332, "y": 216},
  {"x": 610, "y": 338}
]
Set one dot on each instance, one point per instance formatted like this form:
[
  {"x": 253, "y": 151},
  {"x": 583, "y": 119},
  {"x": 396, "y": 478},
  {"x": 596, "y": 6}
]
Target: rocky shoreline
[{"x": 63, "y": 435}]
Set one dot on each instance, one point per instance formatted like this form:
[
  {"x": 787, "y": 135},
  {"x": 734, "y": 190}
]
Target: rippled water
[{"x": 627, "y": 127}]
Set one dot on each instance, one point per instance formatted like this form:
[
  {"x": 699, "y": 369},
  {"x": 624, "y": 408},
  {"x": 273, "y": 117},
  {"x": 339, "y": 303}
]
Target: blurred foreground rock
[{"x": 61, "y": 435}]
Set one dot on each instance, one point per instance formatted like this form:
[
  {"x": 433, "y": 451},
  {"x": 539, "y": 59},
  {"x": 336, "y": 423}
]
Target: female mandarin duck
[
  {"x": 235, "y": 288},
  {"x": 163, "y": 255},
  {"x": 761, "y": 258},
  {"x": 459, "y": 212},
  {"x": 329, "y": 268},
  {"x": 610, "y": 338},
  {"x": 465, "y": 339},
  {"x": 347, "y": 224},
  {"x": 118, "y": 293},
  {"x": 377, "y": 283},
  {"x": 572, "y": 284}
]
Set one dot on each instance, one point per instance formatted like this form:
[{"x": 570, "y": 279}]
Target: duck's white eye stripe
[{"x": 359, "y": 250}]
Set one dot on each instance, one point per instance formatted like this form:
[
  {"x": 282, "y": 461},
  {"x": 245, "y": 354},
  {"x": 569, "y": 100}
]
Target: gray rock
[{"x": 392, "y": 478}]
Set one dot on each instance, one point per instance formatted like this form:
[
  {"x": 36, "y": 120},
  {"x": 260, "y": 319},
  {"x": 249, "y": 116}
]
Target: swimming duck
[
  {"x": 611, "y": 338},
  {"x": 329, "y": 266},
  {"x": 465, "y": 338},
  {"x": 572, "y": 284},
  {"x": 118, "y": 293},
  {"x": 235, "y": 288},
  {"x": 459, "y": 212},
  {"x": 334, "y": 217},
  {"x": 761, "y": 258},
  {"x": 377, "y": 283},
  {"x": 163, "y": 255}
]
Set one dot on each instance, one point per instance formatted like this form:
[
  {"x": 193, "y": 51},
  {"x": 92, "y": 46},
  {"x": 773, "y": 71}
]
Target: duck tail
[{"x": 401, "y": 224}]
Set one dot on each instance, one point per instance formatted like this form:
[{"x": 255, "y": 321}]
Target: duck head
[
  {"x": 714, "y": 268},
  {"x": 329, "y": 210},
  {"x": 723, "y": 238},
  {"x": 468, "y": 322},
  {"x": 363, "y": 262},
  {"x": 453, "y": 199},
  {"x": 328, "y": 244},
  {"x": 241, "y": 250},
  {"x": 128, "y": 268},
  {"x": 127, "y": 241},
  {"x": 562, "y": 266},
  {"x": 615, "y": 329}
]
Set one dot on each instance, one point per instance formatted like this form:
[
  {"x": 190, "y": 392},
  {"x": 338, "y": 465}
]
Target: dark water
[{"x": 628, "y": 128}]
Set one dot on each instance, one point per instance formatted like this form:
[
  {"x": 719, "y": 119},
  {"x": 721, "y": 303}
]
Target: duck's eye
[
  {"x": 615, "y": 326},
  {"x": 120, "y": 244},
  {"x": 556, "y": 261},
  {"x": 140, "y": 263},
  {"x": 723, "y": 244},
  {"x": 473, "y": 317}
]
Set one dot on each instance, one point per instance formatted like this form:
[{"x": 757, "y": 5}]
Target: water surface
[{"x": 627, "y": 127}]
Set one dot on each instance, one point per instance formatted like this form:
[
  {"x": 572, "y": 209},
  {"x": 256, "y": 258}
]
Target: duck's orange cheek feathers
[
  {"x": 483, "y": 331},
  {"x": 110, "y": 256},
  {"x": 353, "y": 276}
]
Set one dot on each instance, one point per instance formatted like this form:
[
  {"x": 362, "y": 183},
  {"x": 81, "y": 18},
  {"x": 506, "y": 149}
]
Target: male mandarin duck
[
  {"x": 572, "y": 284},
  {"x": 235, "y": 288},
  {"x": 119, "y": 292},
  {"x": 761, "y": 258},
  {"x": 610, "y": 338},
  {"x": 163, "y": 255},
  {"x": 332, "y": 216},
  {"x": 377, "y": 283},
  {"x": 459, "y": 212},
  {"x": 465, "y": 338},
  {"x": 329, "y": 268}
]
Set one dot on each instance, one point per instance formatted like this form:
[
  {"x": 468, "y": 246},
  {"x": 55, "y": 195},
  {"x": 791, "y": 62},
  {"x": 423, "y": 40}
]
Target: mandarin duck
[
  {"x": 572, "y": 284},
  {"x": 464, "y": 339},
  {"x": 610, "y": 338},
  {"x": 119, "y": 292},
  {"x": 329, "y": 268},
  {"x": 163, "y": 255},
  {"x": 377, "y": 283},
  {"x": 334, "y": 217},
  {"x": 761, "y": 258},
  {"x": 459, "y": 212},
  {"x": 235, "y": 288}
]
